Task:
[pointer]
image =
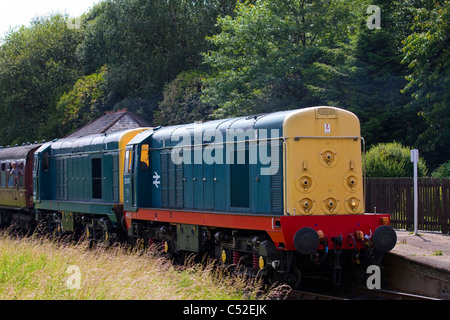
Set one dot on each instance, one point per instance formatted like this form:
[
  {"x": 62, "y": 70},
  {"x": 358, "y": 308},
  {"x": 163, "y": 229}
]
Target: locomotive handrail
[
  {"x": 296, "y": 138},
  {"x": 178, "y": 146},
  {"x": 363, "y": 141}
]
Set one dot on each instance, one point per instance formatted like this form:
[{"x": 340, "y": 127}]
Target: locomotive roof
[
  {"x": 16, "y": 153},
  {"x": 163, "y": 136},
  {"x": 90, "y": 143}
]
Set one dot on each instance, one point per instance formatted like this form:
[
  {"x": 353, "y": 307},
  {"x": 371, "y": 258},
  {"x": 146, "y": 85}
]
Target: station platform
[
  {"x": 419, "y": 264},
  {"x": 429, "y": 248}
]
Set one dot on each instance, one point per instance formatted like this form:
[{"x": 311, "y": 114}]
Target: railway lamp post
[{"x": 415, "y": 160}]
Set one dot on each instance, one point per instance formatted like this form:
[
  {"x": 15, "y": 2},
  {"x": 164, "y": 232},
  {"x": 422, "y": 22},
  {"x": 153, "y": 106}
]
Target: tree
[
  {"x": 392, "y": 160},
  {"x": 182, "y": 103},
  {"x": 378, "y": 79},
  {"x": 84, "y": 103},
  {"x": 146, "y": 44},
  {"x": 37, "y": 65},
  {"x": 443, "y": 171},
  {"x": 427, "y": 56},
  {"x": 279, "y": 55}
]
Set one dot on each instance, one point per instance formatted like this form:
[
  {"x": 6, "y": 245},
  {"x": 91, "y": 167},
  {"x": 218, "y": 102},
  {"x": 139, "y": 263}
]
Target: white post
[{"x": 415, "y": 160}]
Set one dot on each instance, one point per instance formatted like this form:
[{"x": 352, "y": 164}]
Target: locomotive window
[
  {"x": 128, "y": 160},
  {"x": 97, "y": 178},
  {"x": 145, "y": 161},
  {"x": 45, "y": 161},
  {"x": 35, "y": 164},
  {"x": 3, "y": 175}
]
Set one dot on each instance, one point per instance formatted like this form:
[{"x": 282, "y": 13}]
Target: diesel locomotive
[{"x": 278, "y": 194}]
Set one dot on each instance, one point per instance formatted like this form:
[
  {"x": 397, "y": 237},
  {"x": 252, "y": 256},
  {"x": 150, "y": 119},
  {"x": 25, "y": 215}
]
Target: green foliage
[
  {"x": 443, "y": 171},
  {"x": 427, "y": 55},
  {"x": 379, "y": 77},
  {"x": 392, "y": 160},
  {"x": 82, "y": 104},
  {"x": 174, "y": 61},
  {"x": 182, "y": 102},
  {"x": 278, "y": 55},
  {"x": 146, "y": 44},
  {"x": 37, "y": 268},
  {"x": 37, "y": 65}
]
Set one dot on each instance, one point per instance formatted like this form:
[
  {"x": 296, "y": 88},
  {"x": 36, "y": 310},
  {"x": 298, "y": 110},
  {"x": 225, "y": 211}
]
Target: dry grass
[{"x": 40, "y": 268}]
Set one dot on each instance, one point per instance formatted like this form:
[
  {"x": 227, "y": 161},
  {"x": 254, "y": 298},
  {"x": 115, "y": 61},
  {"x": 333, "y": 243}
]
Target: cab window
[
  {"x": 144, "y": 163},
  {"x": 45, "y": 161},
  {"x": 128, "y": 161}
]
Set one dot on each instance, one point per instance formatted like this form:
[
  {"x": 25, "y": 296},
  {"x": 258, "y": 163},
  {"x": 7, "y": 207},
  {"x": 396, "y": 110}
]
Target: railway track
[
  {"x": 306, "y": 295},
  {"x": 356, "y": 293},
  {"x": 380, "y": 294}
]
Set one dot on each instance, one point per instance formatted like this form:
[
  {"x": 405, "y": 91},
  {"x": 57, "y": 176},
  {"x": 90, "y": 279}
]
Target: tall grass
[{"x": 41, "y": 268}]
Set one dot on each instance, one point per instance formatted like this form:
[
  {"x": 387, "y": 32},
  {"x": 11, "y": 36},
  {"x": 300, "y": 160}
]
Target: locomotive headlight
[
  {"x": 305, "y": 182},
  {"x": 352, "y": 182},
  {"x": 331, "y": 203},
  {"x": 328, "y": 157},
  {"x": 352, "y": 204},
  {"x": 306, "y": 206},
  {"x": 306, "y": 203}
]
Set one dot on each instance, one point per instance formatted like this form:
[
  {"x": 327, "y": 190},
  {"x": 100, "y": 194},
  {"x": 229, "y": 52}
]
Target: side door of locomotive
[
  {"x": 128, "y": 179},
  {"x": 41, "y": 174},
  {"x": 136, "y": 176}
]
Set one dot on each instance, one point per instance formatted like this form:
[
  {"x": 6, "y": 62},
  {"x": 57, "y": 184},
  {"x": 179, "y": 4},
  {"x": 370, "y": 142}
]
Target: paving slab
[{"x": 429, "y": 248}]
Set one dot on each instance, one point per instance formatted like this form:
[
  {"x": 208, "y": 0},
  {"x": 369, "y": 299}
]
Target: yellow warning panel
[{"x": 322, "y": 162}]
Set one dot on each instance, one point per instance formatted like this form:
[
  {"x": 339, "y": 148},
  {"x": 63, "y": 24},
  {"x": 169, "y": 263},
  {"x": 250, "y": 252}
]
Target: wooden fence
[{"x": 396, "y": 197}]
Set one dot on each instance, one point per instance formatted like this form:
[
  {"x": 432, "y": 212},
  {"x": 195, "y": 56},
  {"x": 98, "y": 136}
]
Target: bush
[
  {"x": 392, "y": 160},
  {"x": 443, "y": 171}
]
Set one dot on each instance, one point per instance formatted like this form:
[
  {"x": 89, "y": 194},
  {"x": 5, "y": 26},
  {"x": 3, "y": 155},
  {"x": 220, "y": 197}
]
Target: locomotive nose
[
  {"x": 306, "y": 240},
  {"x": 384, "y": 238}
]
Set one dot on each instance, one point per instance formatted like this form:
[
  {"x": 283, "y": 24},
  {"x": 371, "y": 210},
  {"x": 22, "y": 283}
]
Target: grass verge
[{"x": 39, "y": 268}]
